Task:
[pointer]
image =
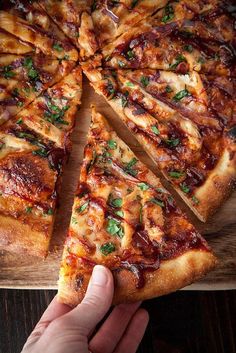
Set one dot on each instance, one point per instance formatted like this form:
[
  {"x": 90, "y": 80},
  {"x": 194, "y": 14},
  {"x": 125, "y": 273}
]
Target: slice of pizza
[
  {"x": 34, "y": 147},
  {"x": 28, "y": 21},
  {"x": 74, "y": 18},
  {"x": 125, "y": 219},
  {"x": 191, "y": 139},
  {"x": 52, "y": 114},
  {"x": 24, "y": 77},
  {"x": 167, "y": 45}
]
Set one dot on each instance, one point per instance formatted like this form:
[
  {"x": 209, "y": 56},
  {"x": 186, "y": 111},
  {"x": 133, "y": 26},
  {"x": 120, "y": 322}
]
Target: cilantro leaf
[
  {"x": 82, "y": 207},
  {"x": 155, "y": 130},
  {"x": 181, "y": 94},
  {"x": 157, "y": 202},
  {"x": 107, "y": 248},
  {"x": 143, "y": 186},
  {"x": 112, "y": 144}
]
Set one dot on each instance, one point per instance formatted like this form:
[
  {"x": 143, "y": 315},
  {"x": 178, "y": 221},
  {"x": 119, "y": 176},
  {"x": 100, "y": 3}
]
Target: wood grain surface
[
  {"x": 182, "y": 322},
  {"x": 220, "y": 230}
]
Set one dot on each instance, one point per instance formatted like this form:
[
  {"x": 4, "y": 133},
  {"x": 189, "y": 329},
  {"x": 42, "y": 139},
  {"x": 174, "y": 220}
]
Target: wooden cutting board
[{"x": 220, "y": 230}]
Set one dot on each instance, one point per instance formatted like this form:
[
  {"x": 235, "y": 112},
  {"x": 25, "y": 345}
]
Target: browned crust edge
[
  {"x": 171, "y": 276},
  {"x": 21, "y": 238}
]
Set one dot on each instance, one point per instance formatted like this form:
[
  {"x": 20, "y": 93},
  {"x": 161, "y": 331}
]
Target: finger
[
  {"x": 53, "y": 311},
  {"x": 95, "y": 304},
  {"x": 134, "y": 333},
  {"x": 113, "y": 328}
]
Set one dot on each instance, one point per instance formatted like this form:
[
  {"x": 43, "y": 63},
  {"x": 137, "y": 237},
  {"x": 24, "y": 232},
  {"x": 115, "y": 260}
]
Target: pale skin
[{"x": 63, "y": 329}]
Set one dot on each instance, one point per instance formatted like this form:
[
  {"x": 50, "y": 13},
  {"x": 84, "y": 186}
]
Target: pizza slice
[
  {"x": 29, "y": 22},
  {"x": 24, "y": 77},
  {"x": 34, "y": 147},
  {"x": 171, "y": 117},
  {"x": 124, "y": 219},
  {"x": 74, "y": 18},
  {"x": 52, "y": 114}
]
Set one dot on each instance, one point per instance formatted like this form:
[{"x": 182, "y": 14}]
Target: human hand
[{"x": 63, "y": 329}]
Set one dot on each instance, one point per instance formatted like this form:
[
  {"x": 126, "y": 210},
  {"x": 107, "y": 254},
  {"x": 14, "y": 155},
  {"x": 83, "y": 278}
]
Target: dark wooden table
[{"x": 183, "y": 322}]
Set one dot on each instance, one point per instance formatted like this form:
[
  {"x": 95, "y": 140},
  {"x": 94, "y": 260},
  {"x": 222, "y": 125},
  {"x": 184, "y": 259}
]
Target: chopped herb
[
  {"x": 116, "y": 202},
  {"x": 107, "y": 248},
  {"x": 124, "y": 99},
  {"x": 130, "y": 54},
  {"x": 141, "y": 214},
  {"x": 15, "y": 92},
  {"x": 160, "y": 190},
  {"x": 50, "y": 211},
  {"x": 20, "y": 104},
  {"x": 7, "y": 72},
  {"x": 143, "y": 186},
  {"x": 26, "y": 90},
  {"x": 184, "y": 188},
  {"x": 114, "y": 228},
  {"x": 119, "y": 213},
  {"x": 195, "y": 200},
  {"x": 155, "y": 130},
  {"x": 173, "y": 142},
  {"x": 176, "y": 174},
  {"x": 40, "y": 152},
  {"x": 19, "y": 121},
  {"x": 110, "y": 87},
  {"x": 168, "y": 89},
  {"x": 57, "y": 47},
  {"x": 168, "y": 14},
  {"x": 129, "y": 190},
  {"x": 121, "y": 63},
  {"x": 77, "y": 34},
  {"x": 179, "y": 59},
  {"x": 32, "y": 73},
  {"x": 74, "y": 220},
  {"x": 112, "y": 144},
  {"x": 28, "y": 209},
  {"x": 128, "y": 168},
  {"x": 28, "y": 62},
  {"x": 157, "y": 202},
  {"x": 66, "y": 57},
  {"x": 132, "y": 162},
  {"x": 26, "y": 135},
  {"x": 181, "y": 94},
  {"x": 134, "y": 3},
  {"x": 129, "y": 84},
  {"x": 188, "y": 48},
  {"x": 82, "y": 207},
  {"x": 201, "y": 60},
  {"x": 94, "y": 5},
  {"x": 144, "y": 80}
]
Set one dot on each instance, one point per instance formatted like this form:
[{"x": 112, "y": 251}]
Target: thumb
[{"x": 96, "y": 302}]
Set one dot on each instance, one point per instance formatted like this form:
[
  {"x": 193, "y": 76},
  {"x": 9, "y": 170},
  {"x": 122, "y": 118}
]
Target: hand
[{"x": 63, "y": 329}]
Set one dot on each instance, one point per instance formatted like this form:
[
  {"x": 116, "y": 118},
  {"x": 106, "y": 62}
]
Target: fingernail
[{"x": 99, "y": 276}]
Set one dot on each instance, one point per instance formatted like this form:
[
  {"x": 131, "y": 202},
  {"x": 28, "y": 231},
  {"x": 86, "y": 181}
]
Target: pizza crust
[
  {"x": 22, "y": 238},
  {"x": 171, "y": 276}
]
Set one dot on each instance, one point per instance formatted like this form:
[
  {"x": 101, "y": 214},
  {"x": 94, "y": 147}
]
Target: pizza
[
  {"x": 24, "y": 76},
  {"x": 173, "y": 85},
  {"x": 34, "y": 146},
  {"x": 29, "y": 22},
  {"x": 124, "y": 218}
]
